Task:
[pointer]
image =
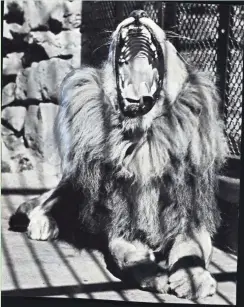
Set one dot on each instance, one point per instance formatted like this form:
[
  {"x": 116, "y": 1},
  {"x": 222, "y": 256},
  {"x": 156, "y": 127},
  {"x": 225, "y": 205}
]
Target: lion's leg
[
  {"x": 137, "y": 261},
  {"x": 20, "y": 220},
  {"x": 41, "y": 225},
  {"x": 27, "y": 207},
  {"x": 188, "y": 262}
]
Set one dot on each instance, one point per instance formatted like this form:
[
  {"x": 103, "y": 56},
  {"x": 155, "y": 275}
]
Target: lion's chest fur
[
  {"x": 140, "y": 162},
  {"x": 137, "y": 156},
  {"x": 144, "y": 163},
  {"x": 147, "y": 160}
]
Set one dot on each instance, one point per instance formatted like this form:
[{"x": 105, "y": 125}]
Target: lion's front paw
[
  {"x": 146, "y": 272},
  {"x": 156, "y": 283},
  {"x": 192, "y": 283},
  {"x": 42, "y": 227}
]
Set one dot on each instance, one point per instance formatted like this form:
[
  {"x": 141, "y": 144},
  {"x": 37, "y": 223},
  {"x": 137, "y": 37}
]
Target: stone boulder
[
  {"x": 8, "y": 94},
  {"x": 14, "y": 117},
  {"x": 72, "y": 14},
  {"x": 64, "y": 44},
  {"x": 12, "y": 30},
  {"x": 19, "y": 160},
  {"x": 12, "y": 141},
  {"x": 46, "y": 14},
  {"x": 12, "y": 63},
  {"x": 5, "y": 167},
  {"x": 41, "y": 81},
  {"x": 25, "y": 160},
  {"x": 42, "y": 43},
  {"x": 22, "y": 161},
  {"x": 6, "y": 163}
]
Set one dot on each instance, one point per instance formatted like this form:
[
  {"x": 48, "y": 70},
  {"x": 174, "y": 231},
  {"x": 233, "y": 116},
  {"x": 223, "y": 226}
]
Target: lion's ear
[{"x": 175, "y": 74}]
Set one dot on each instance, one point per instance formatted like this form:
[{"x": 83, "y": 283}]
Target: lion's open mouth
[{"x": 138, "y": 58}]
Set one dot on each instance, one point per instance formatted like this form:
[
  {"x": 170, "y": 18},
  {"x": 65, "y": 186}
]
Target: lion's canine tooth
[
  {"x": 143, "y": 89},
  {"x": 153, "y": 47}
]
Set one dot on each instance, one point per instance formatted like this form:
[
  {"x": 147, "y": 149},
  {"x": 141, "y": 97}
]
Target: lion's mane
[{"x": 148, "y": 180}]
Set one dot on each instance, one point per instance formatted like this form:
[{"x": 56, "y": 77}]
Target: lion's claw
[{"x": 192, "y": 283}]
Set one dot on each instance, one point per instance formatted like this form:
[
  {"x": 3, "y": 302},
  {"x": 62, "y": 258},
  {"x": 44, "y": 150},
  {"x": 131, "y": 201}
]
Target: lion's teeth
[
  {"x": 153, "y": 47},
  {"x": 153, "y": 88},
  {"x": 143, "y": 89},
  {"x": 155, "y": 72}
]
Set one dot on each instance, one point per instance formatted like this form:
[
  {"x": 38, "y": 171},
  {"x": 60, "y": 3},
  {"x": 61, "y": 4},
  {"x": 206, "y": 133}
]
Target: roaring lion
[{"x": 141, "y": 142}]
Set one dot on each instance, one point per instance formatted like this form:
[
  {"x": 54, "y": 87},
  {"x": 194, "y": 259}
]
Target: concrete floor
[{"x": 56, "y": 269}]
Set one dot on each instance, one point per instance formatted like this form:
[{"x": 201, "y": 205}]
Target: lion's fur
[{"x": 149, "y": 178}]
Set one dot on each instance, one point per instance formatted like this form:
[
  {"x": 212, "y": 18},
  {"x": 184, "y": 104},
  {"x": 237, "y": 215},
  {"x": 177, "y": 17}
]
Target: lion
[{"x": 141, "y": 142}]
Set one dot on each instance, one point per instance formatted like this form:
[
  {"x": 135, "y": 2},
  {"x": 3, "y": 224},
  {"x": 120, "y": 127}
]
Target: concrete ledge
[{"x": 229, "y": 189}]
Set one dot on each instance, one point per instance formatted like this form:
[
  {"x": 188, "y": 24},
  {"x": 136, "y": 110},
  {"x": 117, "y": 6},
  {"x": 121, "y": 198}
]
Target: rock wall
[{"x": 41, "y": 44}]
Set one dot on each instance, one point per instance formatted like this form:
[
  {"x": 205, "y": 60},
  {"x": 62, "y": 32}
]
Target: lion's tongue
[
  {"x": 142, "y": 79},
  {"x": 136, "y": 93}
]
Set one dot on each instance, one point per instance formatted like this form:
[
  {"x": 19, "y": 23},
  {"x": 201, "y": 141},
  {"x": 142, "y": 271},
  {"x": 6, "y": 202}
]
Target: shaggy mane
[{"x": 144, "y": 166}]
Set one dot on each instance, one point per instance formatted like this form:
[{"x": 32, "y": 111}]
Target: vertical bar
[
  {"x": 119, "y": 11},
  {"x": 139, "y": 5},
  {"x": 242, "y": 81},
  {"x": 2, "y": 14},
  {"x": 170, "y": 19},
  {"x": 170, "y": 12},
  {"x": 240, "y": 264},
  {"x": 242, "y": 111},
  {"x": 159, "y": 9},
  {"x": 222, "y": 52}
]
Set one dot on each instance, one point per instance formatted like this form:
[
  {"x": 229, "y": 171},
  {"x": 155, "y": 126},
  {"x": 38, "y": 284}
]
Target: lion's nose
[{"x": 137, "y": 14}]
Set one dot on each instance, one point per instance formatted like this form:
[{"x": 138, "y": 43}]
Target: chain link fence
[
  {"x": 209, "y": 36},
  {"x": 234, "y": 81}
]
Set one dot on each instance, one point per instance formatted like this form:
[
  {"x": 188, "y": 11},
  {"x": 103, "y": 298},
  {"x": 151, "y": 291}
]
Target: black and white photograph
[{"x": 121, "y": 127}]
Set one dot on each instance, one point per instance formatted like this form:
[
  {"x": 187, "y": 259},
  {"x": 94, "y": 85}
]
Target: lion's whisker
[
  {"x": 103, "y": 45},
  {"x": 184, "y": 60},
  {"x": 177, "y": 35}
]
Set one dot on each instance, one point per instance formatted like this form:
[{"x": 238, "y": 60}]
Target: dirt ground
[{"x": 57, "y": 269}]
